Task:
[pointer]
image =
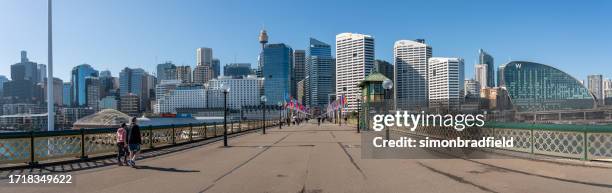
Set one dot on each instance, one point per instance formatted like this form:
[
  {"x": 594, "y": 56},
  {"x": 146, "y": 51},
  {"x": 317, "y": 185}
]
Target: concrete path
[{"x": 308, "y": 158}]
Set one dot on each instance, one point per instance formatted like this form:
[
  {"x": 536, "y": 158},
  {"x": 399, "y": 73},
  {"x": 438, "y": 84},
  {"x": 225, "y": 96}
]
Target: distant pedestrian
[
  {"x": 121, "y": 145},
  {"x": 134, "y": 141},
  {"x": 319, "y": 121}
]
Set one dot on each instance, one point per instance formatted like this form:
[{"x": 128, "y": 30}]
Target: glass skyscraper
[
  {"x": 276, "y": 70},
  {"x": 320, "y": 74},
  {"x": 487, "y": 59},
  {"x": 79, "y": 87},
  {"x": 137, "y": 82},
  {"x": 538, "y": 87}
]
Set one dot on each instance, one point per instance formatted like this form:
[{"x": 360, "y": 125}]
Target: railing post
[
  {"x": 190, "y": 132},
  {"x": 205, "y": 131},
  {"x": 586, "y": 148},
  {"x": 151, "y": 136},
  {"x": 32, "y": 150},
  {"x": 83, "y": 156},
  {"x": 532, "y": 141},
  {"x": 215, "y": 126},
  {"x": 173, "y": 135}
]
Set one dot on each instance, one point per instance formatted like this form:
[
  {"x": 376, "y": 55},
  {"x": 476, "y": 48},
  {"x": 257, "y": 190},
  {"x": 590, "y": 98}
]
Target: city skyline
[{"x": 116, "y": 41}]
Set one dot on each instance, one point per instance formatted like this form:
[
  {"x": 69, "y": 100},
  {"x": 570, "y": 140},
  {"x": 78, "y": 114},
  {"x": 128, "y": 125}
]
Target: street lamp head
[
  {"x": 263, "y": 99},
  {"x": 225, "y": 87},
  {"x": 387, "y": 84}
]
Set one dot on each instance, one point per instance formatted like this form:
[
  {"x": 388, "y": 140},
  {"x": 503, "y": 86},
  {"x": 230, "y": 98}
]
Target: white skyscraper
[
  {"x": 354, "y": 60},
  {"x": 480, "y": 74},
  {"x": 446, "y": 76},
  {"x": 410, "y": 71},
  {"x": 596, "y": 86}
]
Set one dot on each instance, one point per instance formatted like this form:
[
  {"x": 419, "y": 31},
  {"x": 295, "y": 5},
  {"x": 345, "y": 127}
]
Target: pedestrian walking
[
  {"x": 134, "y": 141},
  {"x": 122, "y": 150}
]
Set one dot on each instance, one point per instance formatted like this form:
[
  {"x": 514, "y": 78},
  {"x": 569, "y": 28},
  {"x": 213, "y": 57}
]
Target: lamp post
[
  {"x": 225, "y": 91},
  {"x": 263, "y": 100},
  {"x": 387, "y": 85},
  {"x": 358, "y": 114}
]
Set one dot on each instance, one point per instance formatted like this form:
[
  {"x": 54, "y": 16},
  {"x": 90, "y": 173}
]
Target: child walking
[{"x": 121, "y": 145}]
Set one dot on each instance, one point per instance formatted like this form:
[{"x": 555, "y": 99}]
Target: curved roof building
[
  {"x": 107, "y": 118},
  {"x": 537, "y": 87}
]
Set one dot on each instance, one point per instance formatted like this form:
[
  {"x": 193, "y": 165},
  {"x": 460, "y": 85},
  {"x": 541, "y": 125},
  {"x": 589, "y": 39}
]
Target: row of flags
[
  {"x": 294, "y": 104},
  {"x": 342, "y": 102}
]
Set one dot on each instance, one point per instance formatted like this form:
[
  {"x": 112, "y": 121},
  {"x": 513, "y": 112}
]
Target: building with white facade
[
  {"x": 472, "y": 88},
  {"x": 354, "y": 60},
  {"x": 410, "y": 70},
  {"x": 480, "y": 74},
  {"x": 446, "y": 76},
  {"x": 596, "y": 87},
  {"x": 183, "y": 96},
  {"x": 243, "y": 91}
]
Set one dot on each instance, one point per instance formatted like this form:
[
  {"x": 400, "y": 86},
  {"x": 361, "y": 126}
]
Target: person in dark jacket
[{"x": 134, "y": 140}]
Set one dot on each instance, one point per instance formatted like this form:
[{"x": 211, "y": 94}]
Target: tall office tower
[
  {"x": 472, "y": 88},
  {"x": 300, "y": 92},
  {"x": 446, "y": 76},
  {"x": 107, "y": 84},
  {"x": 137, "y": 82},
  {"x": 299, "y": 63},
  {"x": 354, "y": 61},
  {"x": 204, "y": 56},
  {"x": 320, "y": 73},
  {"x": 500, "y": 76},
  {"x": 480, "y": 75},
  {"x": 384, "y": 68},
  {"x": 93, "y": 92},
  {"x": 410, "y": 62},
  {"x": 203, "y": 70},
  {"x": 263, "y": 40},
  {"x": 58, "y": 87},
  {"x": 25, "y": 70},
  {"x": 216, "y": 67},
  {"x": 596, "y": 87},
  {"x": 130, "y": 104},
  {"x": 485, "y": 58},
  {"x": 3, "y": 79},
  {"x": 166, "y": 71},
  {"x": 277, "y": 62},
  {"x": 79, "y": 86},
  {"x": 183, "y": 73},
  {"x": 42, "y": 72},
  {"x": 237, "y": 70},
  {"x": 202, "y": 74},
  {"x": 66, "y": 92}
]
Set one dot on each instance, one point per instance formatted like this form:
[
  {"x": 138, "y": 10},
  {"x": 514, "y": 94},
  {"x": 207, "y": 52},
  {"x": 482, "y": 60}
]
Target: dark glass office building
[
  {"x": 320, "y": 71},
  {"x": 79, "y": 92},
  {"x": 276, "y": 70},
  {"x": 237, "y": 70},
  {"x": 538, "y": 87}
]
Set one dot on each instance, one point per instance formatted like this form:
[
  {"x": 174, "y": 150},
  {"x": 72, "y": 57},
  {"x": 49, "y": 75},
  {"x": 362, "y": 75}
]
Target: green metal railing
[
  {"x": 49, "y": 146},
  {"x": 586, "y": 142}
]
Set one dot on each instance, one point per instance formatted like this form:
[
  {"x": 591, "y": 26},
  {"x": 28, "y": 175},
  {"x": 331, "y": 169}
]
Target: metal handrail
[{"x": 24, "y": 147}]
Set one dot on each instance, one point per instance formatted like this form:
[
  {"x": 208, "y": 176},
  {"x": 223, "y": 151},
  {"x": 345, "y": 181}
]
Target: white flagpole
[{"x": 50, "y": 96}]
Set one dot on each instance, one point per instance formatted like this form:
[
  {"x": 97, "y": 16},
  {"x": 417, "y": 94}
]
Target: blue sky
[{"x": 575, "y": 36}]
